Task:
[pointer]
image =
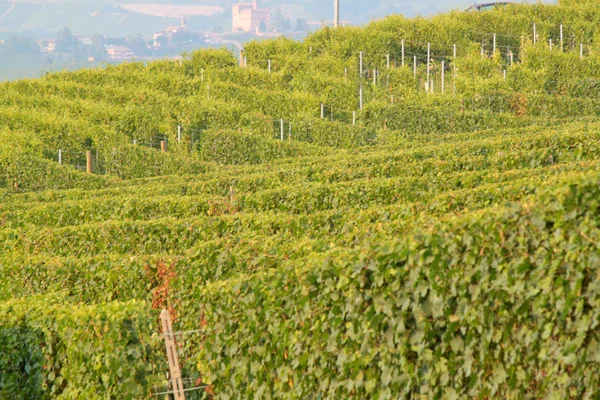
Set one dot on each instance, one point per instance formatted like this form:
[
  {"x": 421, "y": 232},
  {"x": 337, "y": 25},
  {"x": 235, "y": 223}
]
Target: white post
[
  {"x": 178, "y": 133},
  {"x": 581, "y": 51},
  {"x": 428, "y": 61},
  {"x": 392, "y": 99},
  {"x": 415, "y": 66},
  {"x": 353, "y": 117},
  {"x": 550, "y": 44},
  {"x": 482, "y": 50},
  {"x": 454, "y": 70},
  {"x": 322, "y": 110},
  {"x": 361, "y": 97},
  {"x": 336, "y": 13},
  {"x": 346, "y": 73},
  {"x": 134, "y": 141},
  {"x": 494, "y": 52},
  {"x": 375, "y": 76},
  {"x": 269, "y": 66},
  {"x": 174, "y": 369},
  {"x": 387, "y": 61},
  {"x": 443, "y": 76},
  {"x": 403, "y": 52},
  {"x": 60, "y": 156},
  {"x": 512, "y": 60},
  {"x": 504, "y": 73},
  {"x": 281, "y": 128},
  {"x": 534, "y": 34},
  {"x": 361, "y": 64},
  {"x": 245, "y": 62},
  {"x": 562, "y": 43}
]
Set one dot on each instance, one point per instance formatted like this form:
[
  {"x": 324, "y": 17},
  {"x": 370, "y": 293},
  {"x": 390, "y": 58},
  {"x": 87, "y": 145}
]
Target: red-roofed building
[{"x": 247, "y": 17}]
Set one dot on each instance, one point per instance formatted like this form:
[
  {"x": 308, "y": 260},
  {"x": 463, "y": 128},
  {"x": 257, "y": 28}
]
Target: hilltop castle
[{"x": 247, "y": 17}]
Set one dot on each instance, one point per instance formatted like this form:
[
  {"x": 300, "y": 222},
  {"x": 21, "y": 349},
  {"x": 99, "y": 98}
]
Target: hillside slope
[{"x": 429, "y": 242}]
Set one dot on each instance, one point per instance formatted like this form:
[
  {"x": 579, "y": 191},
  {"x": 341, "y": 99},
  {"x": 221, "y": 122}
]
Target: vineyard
[{"x": 409, "y": 209}]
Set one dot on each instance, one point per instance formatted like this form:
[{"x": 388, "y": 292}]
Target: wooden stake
[
  {"x": 174, "y": 368},
  {"x": 281, "y": 128},
  {"x": 403, "y": 52},
  {"x": 353, "y": 117},
  {"x": 415, "y": 66},
  {"x": 269, "y": 66},
  {"x": 562, "y": 41},
  {"x": 178, "y": 133},
  {"x": 443, "y": 76},
  {"x": 163, "y": 146},
  {"x": 322, "y": 110},
  {"x": 387, "y": 61},
  {"x": 88, "y": 167},
  {"x": 361, "y": 97},
  {"x": 60, "y": 156},
  {"x": 361, "y": 65},
  {"x": 454, "y": 70},
  {"x": 428, "y": 61}
]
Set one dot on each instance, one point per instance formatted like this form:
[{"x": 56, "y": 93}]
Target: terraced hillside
[{"x": 425, "y": 243}]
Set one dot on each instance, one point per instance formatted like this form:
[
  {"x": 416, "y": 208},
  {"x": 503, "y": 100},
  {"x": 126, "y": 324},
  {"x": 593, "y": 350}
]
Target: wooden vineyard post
[
  {"x": 443, "y": 76},
  {"x": 428, "y": 65},
  {"x": 60, "y": 156},
  {"x": 88, "y": 166},
  {"x": 361, "y": 65},
  {"x": 403, "y": 52},
  {"x": 174, "y": 370},
  {"x": 163, "y": 146}
]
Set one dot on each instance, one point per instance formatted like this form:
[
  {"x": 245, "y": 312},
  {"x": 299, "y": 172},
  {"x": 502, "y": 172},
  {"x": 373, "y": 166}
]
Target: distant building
[
  {"x": 119, "y": 53},
  {"x": 169, "y": 33},
  {"x": 247, "y": 17},
  {"x": 47, "y": 45},
  {"x": 84, "y": 40}
]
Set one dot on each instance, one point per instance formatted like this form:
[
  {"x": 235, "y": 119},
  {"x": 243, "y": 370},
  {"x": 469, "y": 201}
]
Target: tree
[
  {"x": 278, "y": 20},
  {"x": 262, "y": 27},
  {"x": 138, "y": 45},
  {"x": 19, "y": 45},
  {"x": 65, "y": 42},
  {"x": 98, "y": 48},
  {"x": 287, "y": 25},
  {"x": 162, "y": 41},
  {"x": 301, "y": 25}
]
